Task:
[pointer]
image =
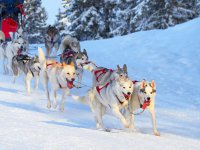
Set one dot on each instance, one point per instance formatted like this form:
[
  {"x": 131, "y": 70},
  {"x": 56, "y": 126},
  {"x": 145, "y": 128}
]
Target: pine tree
[{"x": 35, "y": 20}]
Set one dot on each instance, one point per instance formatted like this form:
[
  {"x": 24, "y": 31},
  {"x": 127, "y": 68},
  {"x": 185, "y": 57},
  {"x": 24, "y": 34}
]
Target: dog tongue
[
  {"x": 146, "y": 103},
  {"x": 70, "y": 84},
  {"x": 127, "y": 97}
]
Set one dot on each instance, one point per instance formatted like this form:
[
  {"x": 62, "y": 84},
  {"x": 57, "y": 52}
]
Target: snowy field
[{"x": 171, "y": 57}]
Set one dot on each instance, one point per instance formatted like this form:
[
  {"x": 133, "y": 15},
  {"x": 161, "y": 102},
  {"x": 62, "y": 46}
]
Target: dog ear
[
  {"x": 84, "y": 51},
  {"x": 153, "y": 84},
  {"x": 118, "y": 67},
  {"x": 143, "y": 84},
  {"x": 125, "y": 69},
  {"x": 72, "y": 64}
]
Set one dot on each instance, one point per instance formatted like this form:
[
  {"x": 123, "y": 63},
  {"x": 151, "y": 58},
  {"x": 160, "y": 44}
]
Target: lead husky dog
[
  {"x": 12, "y": 48},
  {"x": 114, "y": 95},
  {"x": 103, "y": 75},
  {"x": 52, "y": 40},
  {"x": 60, "y": 76},
  {"x": 30, "y": 66},
  {"x": 20, "y": 33},
  {"x": 143, "y": 97}
]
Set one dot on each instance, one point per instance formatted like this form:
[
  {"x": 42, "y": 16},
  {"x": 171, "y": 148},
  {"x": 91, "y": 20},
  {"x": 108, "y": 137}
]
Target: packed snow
[{"x": 170, "y": 57}]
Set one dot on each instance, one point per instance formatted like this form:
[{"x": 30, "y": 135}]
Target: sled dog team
[{"x": 111, "y": 89}]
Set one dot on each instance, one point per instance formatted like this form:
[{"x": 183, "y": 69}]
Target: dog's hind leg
[
  {"x": 62, "y": 103},
  {"x": 54, "y": 99}
]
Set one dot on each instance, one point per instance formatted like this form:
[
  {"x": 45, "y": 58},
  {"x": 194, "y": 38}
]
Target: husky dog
[
  {"x": 60, "y": 76},
  {"x": 70, "y": 48},
  {"x": 30, "y": 66},
  {"x": 13, "y": 48},
  {"x": 20, "y": 33},
  {"x": 83, "y": 64},
  {"x": 103, "y": 75},
  {"x": 114, "y": 95},
  {"x": 52, "y": 40},
  {"x": 70, "y": 43},
  {"x": 143, "y": 97}
]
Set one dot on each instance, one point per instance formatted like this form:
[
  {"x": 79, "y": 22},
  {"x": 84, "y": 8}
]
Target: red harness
[
  {"x": 51, "y": 64},
  {"x": 102, "y": 71},
  {"x": 99, "y": 89}
]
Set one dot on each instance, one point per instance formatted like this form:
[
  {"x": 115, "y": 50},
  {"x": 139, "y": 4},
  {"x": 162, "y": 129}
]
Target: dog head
[
  {"x": 68, "y": 74},
  {"x": 121, "y": 73},
  {"x": 19, "y": 44},
  {"x": 147, "y": 92},
  {"x": 125, "y": 87},
  {"x": 82, "y": 56},
  {"x": 35, "y": 62},
  {"x": 52, "y": 31}
]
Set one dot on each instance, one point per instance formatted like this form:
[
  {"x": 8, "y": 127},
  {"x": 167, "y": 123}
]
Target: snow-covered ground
[{"x": 171, "y": 57}]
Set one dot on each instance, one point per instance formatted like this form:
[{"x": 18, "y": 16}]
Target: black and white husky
[{"x": 29, "y": 66}]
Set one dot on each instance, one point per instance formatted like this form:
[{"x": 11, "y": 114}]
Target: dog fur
[
  {"x": 114, "y": 96},
  {"x": 30, "y": 67},
  {"x": 100, "y": 78},
  {"x": 11, "y": 49},
  {"x": 60, "y": 76},
  {"x": 142, "y": 91},
  {"x": 52, "y": 40}
]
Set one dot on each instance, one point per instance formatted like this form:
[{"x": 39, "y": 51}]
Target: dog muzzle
[
  {"x": 127, "y": 97},
  {"x": 146, "y": 103}
]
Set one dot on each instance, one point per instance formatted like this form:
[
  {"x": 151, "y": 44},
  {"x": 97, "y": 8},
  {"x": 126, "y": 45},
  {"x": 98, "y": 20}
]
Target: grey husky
[
  {"x": 114, "y": 96},
  {"x": 102, "y": 75},
  {"x": 30, "y": 66}
]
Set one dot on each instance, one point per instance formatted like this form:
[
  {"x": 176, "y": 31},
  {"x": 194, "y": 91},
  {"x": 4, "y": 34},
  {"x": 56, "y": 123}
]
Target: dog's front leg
[
  {"x": 62, "y": 104},
  {"x": 118, "y": 114},
  {"x": 153, "y": 118},
  {"x": 80, "y": 75},
  {"x": 28, "y": 83},
  {"x": 36, "y": 82},
  {"x": 54, "y": 99}
]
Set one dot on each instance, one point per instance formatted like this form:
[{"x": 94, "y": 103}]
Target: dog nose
[
  {"x": 148, "y": 98},
  {"x": 129, "y": 93},
  {"x": 21, "y": 47},
  {"x": 72, "y": 79}
]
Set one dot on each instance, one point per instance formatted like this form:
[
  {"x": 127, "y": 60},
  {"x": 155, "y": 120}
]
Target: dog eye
[
  {"x": 68, "y": 73},
  {"x": 120, "y": 75},
  {"x": 124, "y": 87},
  {"x": 129, "y": 87},
  {"x": 145, "y": 92},
  {"x": 74, "y": 73}
]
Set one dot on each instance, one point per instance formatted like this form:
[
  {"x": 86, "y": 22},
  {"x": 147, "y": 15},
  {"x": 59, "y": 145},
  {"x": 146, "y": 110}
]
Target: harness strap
[
  {"x": 51, "y": 64},
  {"x": 102, "y": 71},
  {"x": 99, "y": 89}
]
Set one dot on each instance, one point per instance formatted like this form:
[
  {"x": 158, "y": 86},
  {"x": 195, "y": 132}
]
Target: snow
[{"x": 171, "y": 57}]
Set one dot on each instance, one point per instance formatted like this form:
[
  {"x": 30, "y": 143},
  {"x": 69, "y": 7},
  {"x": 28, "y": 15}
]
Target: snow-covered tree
[{"x": 35, "y": 20}]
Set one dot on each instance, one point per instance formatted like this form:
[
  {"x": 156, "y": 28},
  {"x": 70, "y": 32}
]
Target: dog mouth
[
  {"x": 127, "y": 97},
  {"x": 70, "y": 84},
  {"x": 146, "y": 103}
]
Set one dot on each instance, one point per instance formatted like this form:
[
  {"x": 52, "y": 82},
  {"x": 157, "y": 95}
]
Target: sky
[{"x": 51, "y": 7}]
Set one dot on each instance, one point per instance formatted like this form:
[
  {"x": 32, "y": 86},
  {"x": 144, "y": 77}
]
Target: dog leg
[
  {"x": 54, "y": 99},
  {"x": 120, "y": 116},
  {"x": 62, "y": 104},
  {"x": 45, "y": 85},
  {"x": 28, "y": 83},
  {"x": 153, "y": 118},
  {"x": 36, "y": 82},
  {"x": 80, "y": 79}
]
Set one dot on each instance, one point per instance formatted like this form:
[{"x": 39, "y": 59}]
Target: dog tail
[
  {"x": 82, "y": 99},
  {"x": 42, "y": 58}
]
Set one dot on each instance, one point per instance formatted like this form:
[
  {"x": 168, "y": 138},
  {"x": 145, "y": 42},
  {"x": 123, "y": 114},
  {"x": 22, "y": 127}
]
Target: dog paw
[
  {"x": 54, "y": 105},
  {"x": 157, "y": 133},
  {"x": 62, "y": 108},
  {"x": 48, "y": 105}
]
